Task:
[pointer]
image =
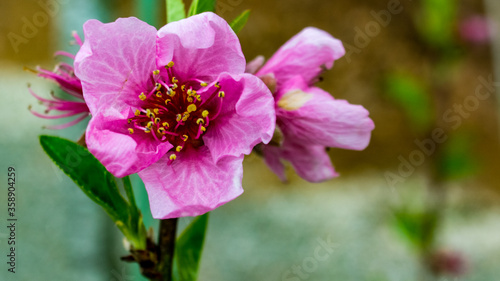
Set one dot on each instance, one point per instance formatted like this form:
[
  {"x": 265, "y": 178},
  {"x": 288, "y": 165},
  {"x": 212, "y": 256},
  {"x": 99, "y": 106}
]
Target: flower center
[{"x": 175, "y": 111}]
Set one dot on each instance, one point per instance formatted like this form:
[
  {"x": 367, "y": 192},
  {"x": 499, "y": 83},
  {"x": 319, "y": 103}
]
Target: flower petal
[
  {"x": 311, "y": 162},
  {"x": 315, "y": 118},
  {"x": 121, "y": 153},
  {"x": 306, "y": 54},
  {"x": 272, "y": 157},
  {"x": 246, "y": 119},
  {"x": 201, "y": 47},
  {"x": 116, "y": 59},
  {"x": 193, "y": 184}
]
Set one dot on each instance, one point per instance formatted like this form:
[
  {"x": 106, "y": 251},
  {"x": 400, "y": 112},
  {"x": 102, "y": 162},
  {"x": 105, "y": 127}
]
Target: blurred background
[{"x": 420, "y": 203}]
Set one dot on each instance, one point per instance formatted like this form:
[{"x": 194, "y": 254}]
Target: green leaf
[
  {"x": 175, "y": 10},
  {"x": 456, "y": 161},
  {"x": 200, "y": 6},
  {"x": 97, "y": 183},
  {"x": 188, "y": 250},
  {"x": 436, "y": 22},
  {"x": 240, "y": 22},
  {"x": 412, "y": 97},
  {"x": 418, "y": 227}
]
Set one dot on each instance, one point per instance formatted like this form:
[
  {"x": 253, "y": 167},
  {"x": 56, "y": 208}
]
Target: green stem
[{"x": 166, "y": 247}]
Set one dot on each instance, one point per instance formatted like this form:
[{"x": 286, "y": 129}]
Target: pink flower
[
  {"x": 309, "y": 118},
  {"x": 175, "y": 106},
  {"x": 64, "y": 76},
  {"x": 476, "y": 29}
]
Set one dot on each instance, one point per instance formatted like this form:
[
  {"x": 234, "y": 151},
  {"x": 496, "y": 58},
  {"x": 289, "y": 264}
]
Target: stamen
[
  {"x": 169, "y": 65},
  {"x": 200, "y": 121},
  {"x": 158, "y": 94},
  {"x": 222, "y": 94},
  {"x": 184, "y": 137},
  {"x": 204, "y": 113},
  {"x": 156, "y": 111},
  {"x": 150, "y": 125},
  {"x": 158, "y": 86},
  {"x": 156, "y": 72},
  {"x": 203, "y": 84},
  {"x": 149, "y": 113},
  {"x": 165, "y": 124},
  {"x": 174, "y": 80},
  {"x": 137, "y": 112},
  {"x": 173, "y": 157},
  {"x": 178, "y": 117},
  {"x": 217, "y": 85},
  {"x": 191, "y": 108},
  {"x": 142, "y": 96},
  {"x": 179, "y": 148},
  {"x": 157, "y": 120},
  {"x": 130, "y": 130}
]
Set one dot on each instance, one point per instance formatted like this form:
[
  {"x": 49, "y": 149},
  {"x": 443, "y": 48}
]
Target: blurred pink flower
[
  {"x": 476, "y": 29},
  {"x": 63, "y": 74},
  {"x": 309, "y": 118},
  {"x": 175, "y": 106},
  {"x": 448, "y": 262}
]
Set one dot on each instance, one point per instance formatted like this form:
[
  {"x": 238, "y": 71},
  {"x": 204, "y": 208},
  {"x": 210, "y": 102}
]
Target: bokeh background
[{"x": 439, "y": 220}]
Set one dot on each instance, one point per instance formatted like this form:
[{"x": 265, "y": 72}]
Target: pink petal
[
  {"x": 322, "y": 120},
  {"x": 116, "y": 59},
  {"x": 305, "y": 54},
  {"x": 121, "y": 153},
  {"x": 201, "y": 46},
  {"x": 193, "y": 184},
  {"x": 247, "y": 117},
  {"x": 311, "y": 162},
  {"x": 272, "y": 158}
]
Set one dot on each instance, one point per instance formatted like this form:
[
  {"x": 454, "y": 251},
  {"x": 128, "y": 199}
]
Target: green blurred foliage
[
  {"x": 412, "y": 96},
  {"x": 457, "y": 160},
  {"x": 436, "y": 22}
]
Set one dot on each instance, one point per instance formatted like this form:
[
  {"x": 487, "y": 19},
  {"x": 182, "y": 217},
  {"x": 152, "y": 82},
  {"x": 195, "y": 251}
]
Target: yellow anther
[
  {"x": 185, "y": 116},
  {"x": 167, "y": 101},
  {"x": 183, "y": 88},
  {"x": 147, "y": 131},
  {"x": 149, "y": 113},
  {"x": 190, "y": 92},
  {"x": 156, "y": 111},
  {"x": 175, "y": 86},
  {"x": 156, "y": 72},
  {"x": 204, "y": 113},
  {"x": 142, "y": 96},
  {"x": 178, "y": 117},
  {"x": 174, "y": 80},
  {"x": 173, "y": 157},
  {"x": 191, "y": 108},
  {"x": 171, "y": 92},
  {"x": 203, "y": 84},
  {"x": 161, "y": 130},
  {"x": 137, "y": 112},
  {"x": 158, "y": 94},
  {"x": 129, "y": 121},
  {"x": 165, "y": 124},
  {"x": 200, "y": 121},
  {"x": 130, "y": 130},
  {"x": 189, "y": 99},
  {"x": 170, "y": 64},
  {"x": 158, "y": 86},
  {"x": 222, "y": 94},
  {"x": 217, "y": 85},
  {"x": 157, "y": 120},
  {"x": 198, "y": 97},
  {"x": 184, "y": 138},
  {"x": 150, "y": 125},
  {"x": 203, "y": 129},
  {"x": 179, "y": 148}
]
